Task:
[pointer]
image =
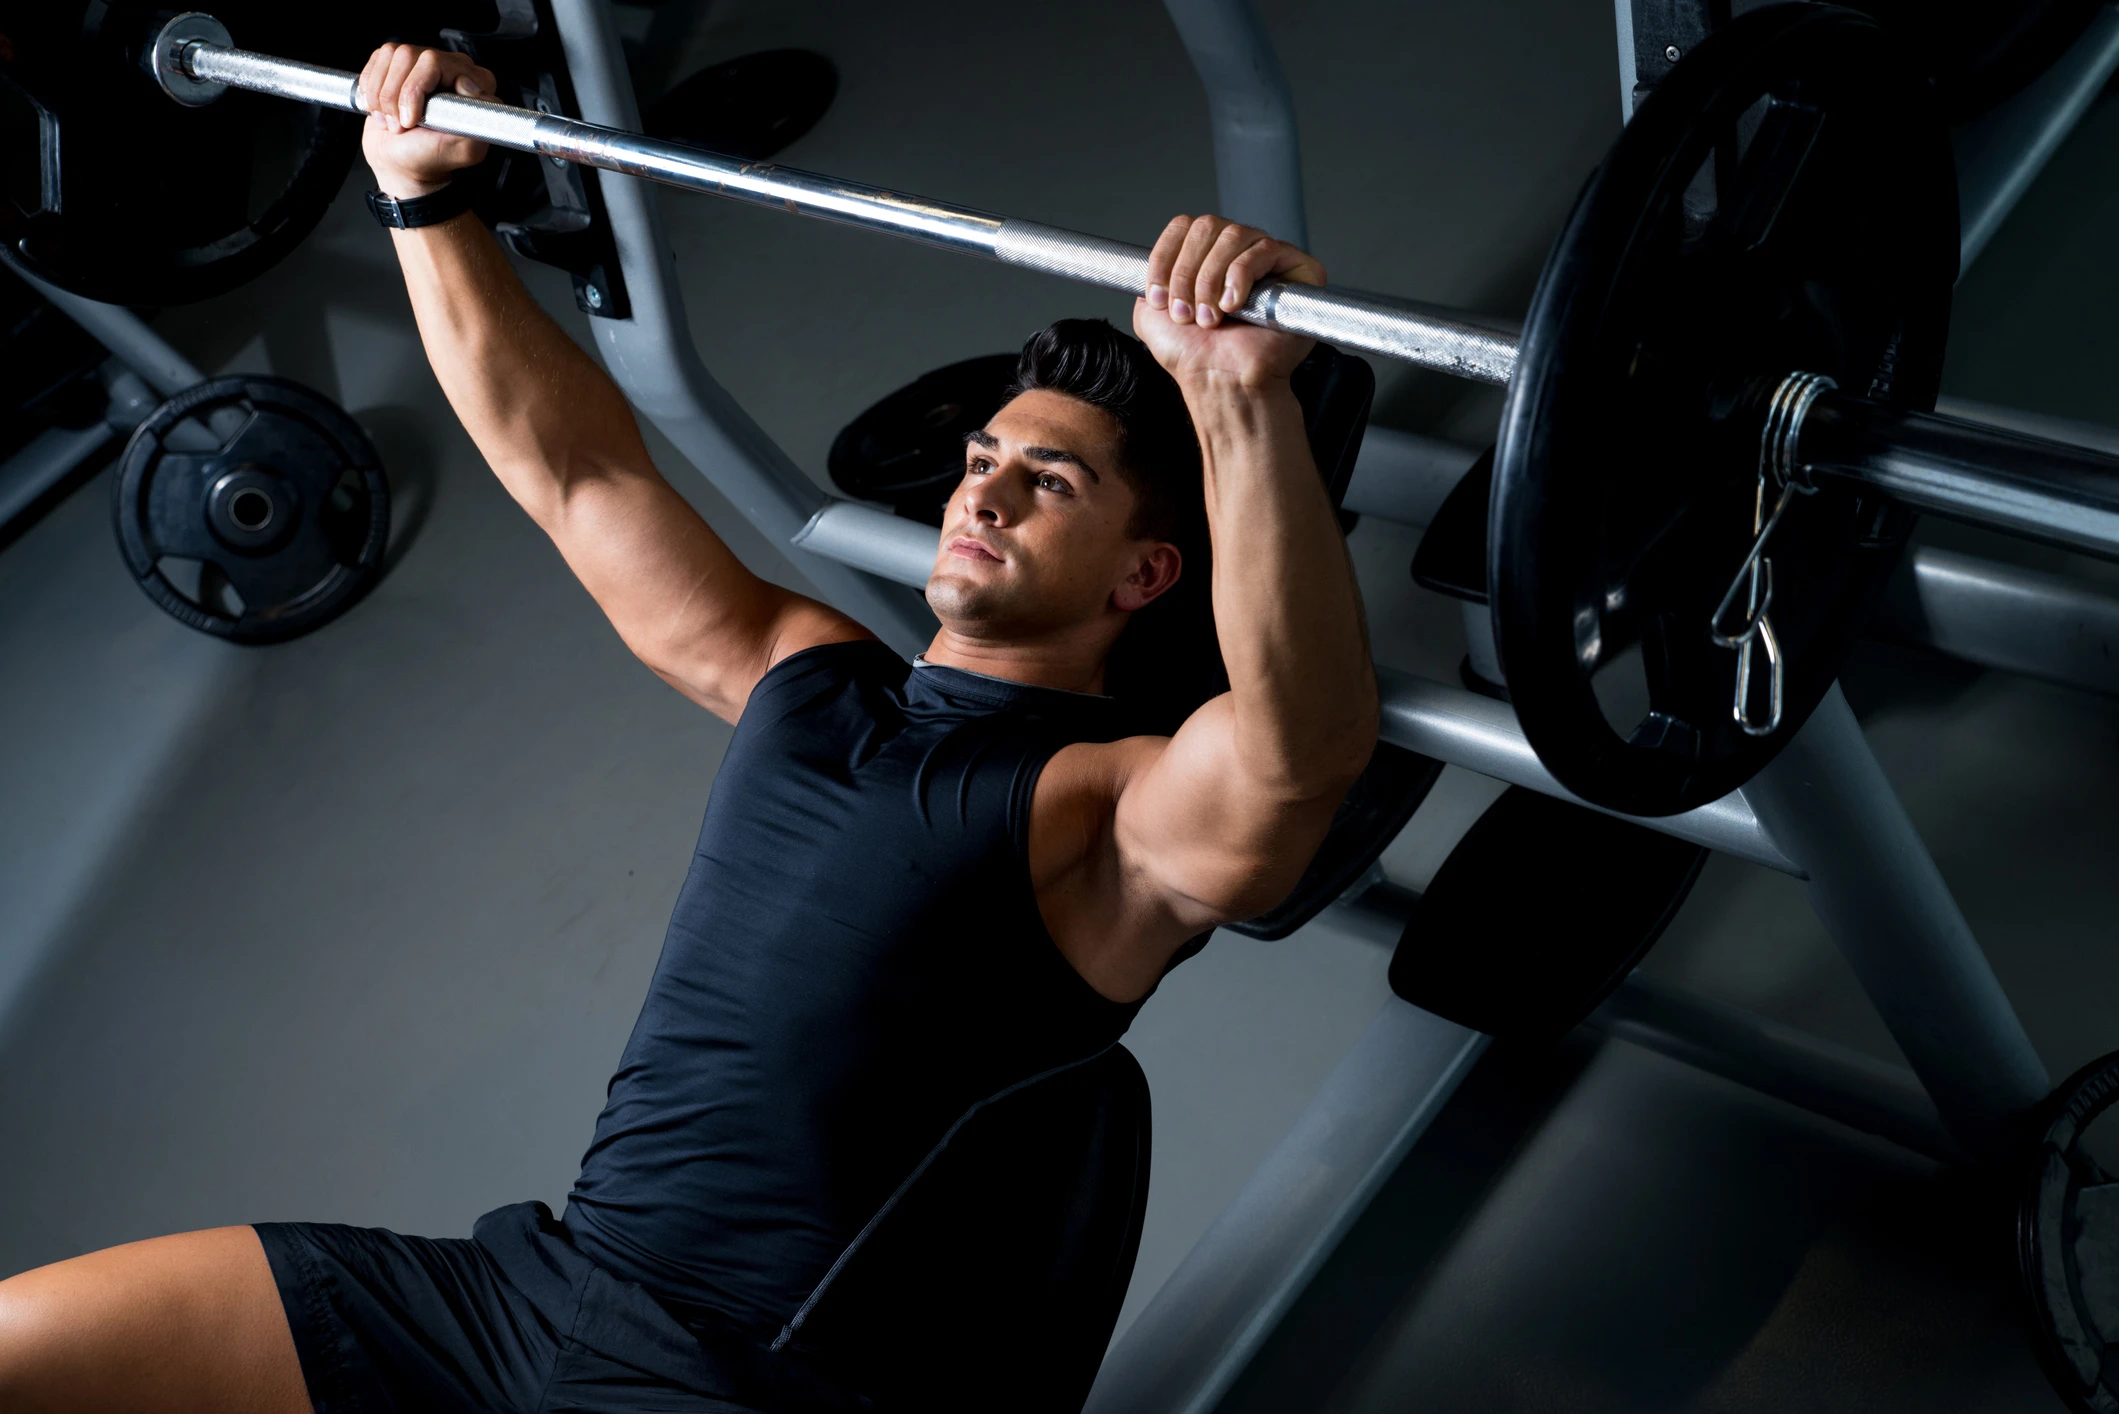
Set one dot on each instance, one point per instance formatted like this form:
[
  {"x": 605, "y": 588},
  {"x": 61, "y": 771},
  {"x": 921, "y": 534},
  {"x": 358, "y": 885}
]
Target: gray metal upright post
[
  {"x": 1257, "y": 159},
  {"x": 1622, "y": 13},
  {"x": 125, "y": 334},
  {"x": 652, "y": 357},
  {"x": 1202, "y": 1328},
  {"x": 1826, "y": 802},
  {"x": 2002, "y": 153}
]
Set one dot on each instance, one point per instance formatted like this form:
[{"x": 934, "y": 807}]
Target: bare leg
[{"x": 190, "y": 1324}]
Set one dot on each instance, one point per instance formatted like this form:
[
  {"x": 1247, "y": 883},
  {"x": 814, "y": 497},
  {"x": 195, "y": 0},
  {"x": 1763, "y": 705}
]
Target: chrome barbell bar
[{"x": 194, "y": 59}]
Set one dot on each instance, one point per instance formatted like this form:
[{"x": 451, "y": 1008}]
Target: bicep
[{"x": 679, "y": 597}]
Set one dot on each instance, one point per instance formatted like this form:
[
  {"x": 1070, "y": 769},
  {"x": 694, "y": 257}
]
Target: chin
[
  {"x": 958, "y": 598},
  {"x": 980, "y": 608}
]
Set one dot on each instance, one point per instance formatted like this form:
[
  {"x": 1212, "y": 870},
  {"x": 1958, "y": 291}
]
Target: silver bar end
[{"x": 171, "y": 62}]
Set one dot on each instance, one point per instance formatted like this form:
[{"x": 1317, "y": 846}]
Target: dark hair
[
  {"x": 1089, "y": 360},
  {"x": 1168, "y": 661}
]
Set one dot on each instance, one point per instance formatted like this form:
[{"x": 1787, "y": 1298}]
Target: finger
[
  {"x": 1251, "y": 265},
  {"x": 371, "y": 79},
  {"x": 402, "y": 58},
  {"x": 476, "y": 83},
  {"x": 425, "y": 77},
  {"x": 1214, "y": 270},
  {"x": 1184, "y": 271},
  {"x": 1296, "y": 265},
  {"x": 450, "y": 67},
  {"x": 1162, "y": 258}
]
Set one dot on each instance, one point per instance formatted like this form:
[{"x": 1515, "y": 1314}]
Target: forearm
[
  {"x": 556, "y": 430},
  {"x": 1302, "y": 686},
  {"x": 541, "y": 411},
  {"x": 562, "y": 440}
]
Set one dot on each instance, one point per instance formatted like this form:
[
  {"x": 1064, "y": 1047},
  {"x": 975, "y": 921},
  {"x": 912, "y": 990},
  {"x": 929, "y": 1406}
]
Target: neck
[{"x": 1071, "y": 661}]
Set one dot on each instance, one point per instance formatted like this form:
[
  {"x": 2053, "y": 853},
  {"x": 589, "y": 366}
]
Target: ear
[{"x": 1152, "y": 577}]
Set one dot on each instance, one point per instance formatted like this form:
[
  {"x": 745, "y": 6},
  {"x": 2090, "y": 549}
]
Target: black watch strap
[{"x": 430, "y": 210}]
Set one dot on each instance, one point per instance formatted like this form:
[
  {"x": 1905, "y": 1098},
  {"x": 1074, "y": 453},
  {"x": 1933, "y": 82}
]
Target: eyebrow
[{"x": 981, "y": 437}]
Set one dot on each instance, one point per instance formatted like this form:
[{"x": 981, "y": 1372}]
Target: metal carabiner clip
[
  {"x": 1754, "y": 577},
  {"x": 1763, "y": 636}
]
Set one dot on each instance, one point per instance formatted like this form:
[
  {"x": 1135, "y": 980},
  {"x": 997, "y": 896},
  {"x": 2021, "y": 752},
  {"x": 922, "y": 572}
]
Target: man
[{"x": 917, "y": 886}]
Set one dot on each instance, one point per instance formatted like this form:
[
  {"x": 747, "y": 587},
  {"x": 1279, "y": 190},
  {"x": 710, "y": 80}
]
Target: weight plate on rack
[
  {"x": 1784, "y": 200},
  {"x": 907, "y": 451},
  {"x": 253, "y": 509},
  {"x": 127, "y": 197},
  {"x": 2067, "y": 1241},
  {"x": 750, "y": 107}
]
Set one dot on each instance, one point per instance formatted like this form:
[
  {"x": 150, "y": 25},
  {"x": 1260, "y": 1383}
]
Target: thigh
[
  {"x": 168, "y": 1326},
  {"x": 385, "y": 1323}
]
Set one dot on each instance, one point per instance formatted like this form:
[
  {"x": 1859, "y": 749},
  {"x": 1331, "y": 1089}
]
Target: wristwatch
[{"x": 429, "y": 210}]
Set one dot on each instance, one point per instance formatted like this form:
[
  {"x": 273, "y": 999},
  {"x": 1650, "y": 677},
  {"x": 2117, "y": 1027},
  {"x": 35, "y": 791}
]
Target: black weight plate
[
  {"x": 751, "y": 106},
  {"x": 285, "y": 504},
  {"x": 1381, "y": 801},
  {"x": 907, "y": 451},
  {"x": 2067, "y": 1244},
  {"x": 119, "y": 193},
  {"x": 1785, "y": 200},
  {"x": 1540, "y": 911}
]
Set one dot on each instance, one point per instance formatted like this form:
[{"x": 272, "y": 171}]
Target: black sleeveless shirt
[{"x": 856, "y": 961}]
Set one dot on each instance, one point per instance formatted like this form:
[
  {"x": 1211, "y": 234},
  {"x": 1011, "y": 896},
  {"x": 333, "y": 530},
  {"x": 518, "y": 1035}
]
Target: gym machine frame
[{"x": 1822, "y": 811}]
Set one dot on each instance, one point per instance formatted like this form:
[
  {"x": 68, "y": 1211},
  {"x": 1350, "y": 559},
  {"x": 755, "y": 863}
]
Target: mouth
[{"x": 966, "y": 548}]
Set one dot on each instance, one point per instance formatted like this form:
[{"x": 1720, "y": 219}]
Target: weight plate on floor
[
  {"x": 2067, "y": 1241},
  {"x": 907, "y": 451},
  {"x": 253, "y": 509},
  {"x": 126, "y": 196},
  {"x": 1784, "y": 200}
]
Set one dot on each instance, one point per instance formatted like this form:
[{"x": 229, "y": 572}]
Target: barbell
[{"x": 1718, "y": 421}]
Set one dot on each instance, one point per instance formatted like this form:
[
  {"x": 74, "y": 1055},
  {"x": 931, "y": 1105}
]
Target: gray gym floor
[{"x": 353, "y": 928}]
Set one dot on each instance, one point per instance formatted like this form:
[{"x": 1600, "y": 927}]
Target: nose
[{"x": 990, "y": 499}]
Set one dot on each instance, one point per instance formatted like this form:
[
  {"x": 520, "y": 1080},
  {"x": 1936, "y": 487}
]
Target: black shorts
[{"x": 512, "y": 1319}]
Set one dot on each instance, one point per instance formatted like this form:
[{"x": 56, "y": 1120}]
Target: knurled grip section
[
  {"x": 1112, "y": 264},
  {"x": 283, "y": 78},
  {"x": 1379, "y": 326},
  {"x": 1347, "y": 320},
  {"x": 306, "y": 83}
]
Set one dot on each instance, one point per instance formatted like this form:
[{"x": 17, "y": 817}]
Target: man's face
[{"x": 1034, "y": 540}]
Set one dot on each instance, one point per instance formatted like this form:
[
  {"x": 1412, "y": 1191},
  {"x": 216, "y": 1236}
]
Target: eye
[
  {"x": 1046, "y": 481},
  {"x": 979, "y": 466}
]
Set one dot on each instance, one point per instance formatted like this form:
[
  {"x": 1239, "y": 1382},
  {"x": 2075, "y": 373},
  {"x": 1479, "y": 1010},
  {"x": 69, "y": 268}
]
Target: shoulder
[{"x": 799, "y": 676}]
